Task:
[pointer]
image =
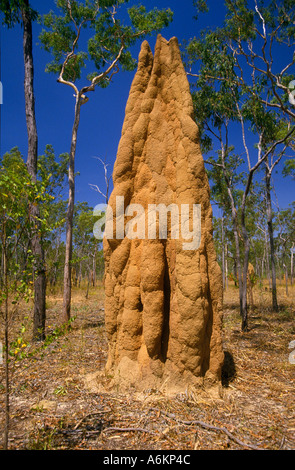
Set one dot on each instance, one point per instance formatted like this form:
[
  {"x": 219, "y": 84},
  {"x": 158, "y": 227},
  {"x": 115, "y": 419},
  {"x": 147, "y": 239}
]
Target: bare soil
[{"x": 56, "y": 401}]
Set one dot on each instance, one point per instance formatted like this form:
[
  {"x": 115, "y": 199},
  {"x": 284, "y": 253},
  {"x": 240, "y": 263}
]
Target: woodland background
[{"x": 51, "y": 299}]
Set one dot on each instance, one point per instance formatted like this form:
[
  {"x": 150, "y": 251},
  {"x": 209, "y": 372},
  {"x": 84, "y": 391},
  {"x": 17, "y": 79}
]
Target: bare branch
[
  {"x": 219, "y": 165},
  {"x": 94, "y": 186},
  {"x": 72, "y": 52},
  {"x": 71, "y": 84},
  {"x": 126, "y": 430},
  {"x": 69, "y": 5},
  {"x": 262, "y": 19},
  {"x": 99, "y": 77},
  {"x": 107, "y": 181}
]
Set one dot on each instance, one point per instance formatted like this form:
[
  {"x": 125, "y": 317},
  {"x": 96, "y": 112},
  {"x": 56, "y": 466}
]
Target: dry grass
[{"x": 52, "y": 408}]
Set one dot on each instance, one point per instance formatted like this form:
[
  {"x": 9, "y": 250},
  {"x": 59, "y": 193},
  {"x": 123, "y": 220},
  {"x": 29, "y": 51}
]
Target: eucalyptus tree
[
  {"x": 289, "y": 170},
  {"x": 16, "y": 11},
  {"x": 270, "y": 164},
  {"x": 109, "y": 34},
  {"x": 243, "y": 81},
  {"x": 285, "y": 225}
]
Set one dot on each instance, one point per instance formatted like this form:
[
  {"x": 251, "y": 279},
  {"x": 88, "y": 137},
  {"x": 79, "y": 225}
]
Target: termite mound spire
[{"x": 163, "y": 292}]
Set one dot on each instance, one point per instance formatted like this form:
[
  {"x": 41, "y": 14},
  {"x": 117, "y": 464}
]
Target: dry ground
[{"x": 55, "y": 405}]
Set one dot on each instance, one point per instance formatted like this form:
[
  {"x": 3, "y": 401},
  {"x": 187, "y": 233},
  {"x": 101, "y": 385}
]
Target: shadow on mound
[{"x": 228, "y": 373}]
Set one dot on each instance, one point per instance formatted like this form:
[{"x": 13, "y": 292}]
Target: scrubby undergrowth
[{"x": 53, "y": 406}]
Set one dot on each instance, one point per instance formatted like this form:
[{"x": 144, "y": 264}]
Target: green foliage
[
  {"x": 107, "y": 36},
  {"x": 236, "y": 82},
  {"x": 58, "y": 332},
  {"x": 235, "y": 174},
  {"x": 242, "y": 76},
  {"x": 11, "y": 10},
  {"x": 285, "y": 223},
  {"x": 201, "y": 7},
  {"x": 237, "y": 63},
  {"x": 144, "y": 22},
  {"x": 53, "y": 170},
  {"x": 17, "y": 191},
  {"x": 17, "y": 194},
  {"x": 18, "y": 347},
  {"x": 217, "y": 86},
  {"x": 289, "y": 168},
  {"x": 60, "y": 391},
  {"x": 85, "y": 244}
]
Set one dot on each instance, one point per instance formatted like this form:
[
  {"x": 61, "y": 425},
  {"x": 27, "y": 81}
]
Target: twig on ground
[
  {"x": 127, "y": 430},
  {"x": 208, "y": 426}
]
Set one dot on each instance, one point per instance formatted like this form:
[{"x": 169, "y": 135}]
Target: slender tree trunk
[
  {"x": 2, "y": 268},
  {"x": 37, "y": 249},
  {"x": 244, "y": 306},
  {"x": 69, "y": 217},
  {"x": 235, "y": 271},
  {"x": 223, "y": 252},
  {"x": 7, "y": 384},
  {"x": 226, "y": 266},
  {"x": 263, "y": 266},
  {"x": 238, "y": 256},
  {"x": 94, "y": 267},
  {"x": 271, "y": 242},
  {"x": 76, "y": 276},
  {"x": 235, "y": 227},
  {"x": 88, "y": 284},
  {"x": 292, "y": 262},
  {"x": 286, "y": 279},
  {"x": 6, "y": 344},
  {"x": 244, "y": 310},
  {"x": 267, "y": 262},
  {"x": 80, "y": 277}
]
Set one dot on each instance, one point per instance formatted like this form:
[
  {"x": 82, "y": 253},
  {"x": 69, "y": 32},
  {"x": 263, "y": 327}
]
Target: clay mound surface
[{"x": 163, "y": 306}]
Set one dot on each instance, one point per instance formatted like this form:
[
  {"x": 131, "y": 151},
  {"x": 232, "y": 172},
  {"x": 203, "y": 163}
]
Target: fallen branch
[
  {"x": 127, "y": 430},
  {"x": 208, "y": 426}
]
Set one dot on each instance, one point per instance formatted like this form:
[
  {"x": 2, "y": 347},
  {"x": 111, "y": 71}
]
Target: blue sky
[{"x": 102, "y": 117}]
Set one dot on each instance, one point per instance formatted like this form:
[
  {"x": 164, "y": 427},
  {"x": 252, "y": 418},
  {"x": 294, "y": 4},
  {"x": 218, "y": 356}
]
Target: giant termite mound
[{"x": 163, "y": 304}]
